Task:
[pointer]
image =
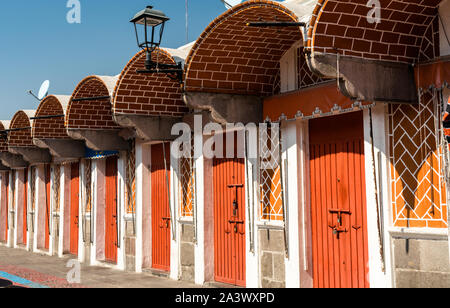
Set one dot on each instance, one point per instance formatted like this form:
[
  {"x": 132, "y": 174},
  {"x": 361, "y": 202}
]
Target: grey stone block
[
  {"x": 187, "y": 254},
  {"x": 270, "y": 284},
  {"x": 279, "y": 273},
  {"x": 272, "y": 240},
  {"x": 187, "y": 233},
  {"x": 187, "y": 273},
  {"x": 267, "y": 265},
  {"x": 421, "y": 279}
]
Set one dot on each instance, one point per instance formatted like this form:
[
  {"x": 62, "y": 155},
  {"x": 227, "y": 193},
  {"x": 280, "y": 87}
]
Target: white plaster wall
[
  {"x": 290, "y": 159},
  {"x": 377, "y": 277}
]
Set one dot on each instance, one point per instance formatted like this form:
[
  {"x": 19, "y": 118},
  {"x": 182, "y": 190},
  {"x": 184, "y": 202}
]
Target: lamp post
[{"x": 149, "y": 27}]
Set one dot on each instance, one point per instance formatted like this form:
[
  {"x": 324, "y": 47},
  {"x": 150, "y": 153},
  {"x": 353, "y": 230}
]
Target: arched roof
[
  {"x": 90, "y": 104},
  {"x": 230, "y": 57},
  {"x": 148, "y": 94},
  {"x": 20, "y": 126},
  {"x": 408, "y": 31},
  {"x": 46, "y": 126}
]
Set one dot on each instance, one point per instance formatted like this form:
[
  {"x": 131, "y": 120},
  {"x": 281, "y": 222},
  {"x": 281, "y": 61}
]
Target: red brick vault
[
  {"x": 341, "y": 37},
  {"x": 149, "y": 103},
  {"x": 50, "y": 132},
  {"x": 4, "y": 125},
  {"x": 20, "y": 139},
  {"x": 242, "y": 61},
  {"x": 89, "y": 114}
]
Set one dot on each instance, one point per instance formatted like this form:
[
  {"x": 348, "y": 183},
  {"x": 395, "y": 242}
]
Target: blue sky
[{"x": 37, "y": 43}]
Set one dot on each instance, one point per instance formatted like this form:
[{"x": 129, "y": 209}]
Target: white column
[
  {"x": 121, "y": 177},
  {"x": 378, "y": 278},
  {"x": 174, "y": 244},
  {"x": 62, "y": 192},
  {"x": 199, "y": 249},
  {"x": 290, "y": 157},
  {"x": 139, "y": 205},
  {"x": 16, "y": 199},
  {"x": 94, "y": 173},
  {"x": 36, "y": 208}
]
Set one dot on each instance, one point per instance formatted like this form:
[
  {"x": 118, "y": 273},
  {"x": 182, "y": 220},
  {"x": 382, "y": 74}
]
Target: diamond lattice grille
[
  {"x": 56, "y": 186},
  {"x": 187, "y": 186},
  {"x": 270, "y": 176},
  {"x": 131, "y": 180},
  {"x": 418, "y": 186}
]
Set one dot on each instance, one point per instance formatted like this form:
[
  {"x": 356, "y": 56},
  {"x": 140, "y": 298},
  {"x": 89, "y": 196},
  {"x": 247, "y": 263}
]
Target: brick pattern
[
  {"x": 20, "y": 138},
  {"x": 401, "y": 36},
  {"x": 416, "y": 162},
  {"x": 148, "y": 94},
  {"x": 230, "y": 57},
  {"x": 52, "y": 128},
  {"x": 3, "y": 140},
  {"x": 93, "y": 114}
]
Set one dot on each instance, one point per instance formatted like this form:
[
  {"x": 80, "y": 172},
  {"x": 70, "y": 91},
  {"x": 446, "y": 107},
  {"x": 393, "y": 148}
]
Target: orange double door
[
  {"x": 25, "y": 207},
  {"x": 74, "y": 207},
  {"x": 160, "y": 206},
  {"x": 229, "y": 220},
  {"x": 111, "y": 217},
  {"x": 338, "y": 202},
  {"x": 4, "y": 207}
]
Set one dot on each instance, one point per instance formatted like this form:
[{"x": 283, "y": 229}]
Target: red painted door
[
  {"x": 111, "y": 239},
  {"x": 47, "y": 206},
  {"x": 338, "y": 202},
  {"x": 229, "y": 221},
  {"x": 25, "y": 206},
  {"x": 161, "y": 220},
  {"x": 4, "y": 205},
  {"x": 74, "y": 207}
]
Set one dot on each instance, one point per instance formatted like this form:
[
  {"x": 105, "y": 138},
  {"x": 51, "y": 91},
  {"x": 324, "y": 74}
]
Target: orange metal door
[
  {"x": 338, "y": 202},
  {"x": 4, "y": 205},
  {"x": 74, "y": 207},
  {"x": 229, "y": 221},
  {"x": 25, "y": 204},
  {"x": 111, "y": 243},
  {"x": 47, "y": 206},
  {"x": 161, "y": 220}
]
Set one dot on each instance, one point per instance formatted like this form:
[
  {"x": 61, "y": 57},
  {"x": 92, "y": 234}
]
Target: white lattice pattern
[
  {"x": 418, "y": 186},
  {"x": 131, "y": 180},
  {"x": 187, "y": 187},
  {"x": 270, "y": 176},
  {"x": 56, "y": 186}
]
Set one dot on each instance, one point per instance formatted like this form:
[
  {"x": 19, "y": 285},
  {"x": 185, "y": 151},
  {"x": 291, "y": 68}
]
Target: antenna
[
  {"x": 43, "y": 91},
  {"x": 230, "y": 3}
]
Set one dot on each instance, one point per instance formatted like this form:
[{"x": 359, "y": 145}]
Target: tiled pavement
[{"x": 44, "y": 271}]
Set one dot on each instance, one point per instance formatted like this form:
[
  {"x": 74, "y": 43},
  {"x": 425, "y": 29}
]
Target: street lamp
[{"x": 153, "y": 20}]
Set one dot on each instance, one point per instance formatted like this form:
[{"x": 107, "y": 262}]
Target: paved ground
[{"x": 39, "y": 271}]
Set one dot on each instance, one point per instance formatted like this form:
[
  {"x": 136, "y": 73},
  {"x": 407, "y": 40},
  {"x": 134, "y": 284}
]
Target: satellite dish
[
  {"x": 230, "y": 3},
  {"x": 43, "y": 91}
]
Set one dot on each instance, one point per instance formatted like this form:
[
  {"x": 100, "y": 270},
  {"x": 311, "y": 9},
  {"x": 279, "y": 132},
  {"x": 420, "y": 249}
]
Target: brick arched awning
[
  {"x": 49, "y": 129},
  {"x": 141, "y": 101},
  {"x": 230, "y": 57},
  {"x": 89, "y": 114},
  {"x": 4, "y": 125},
  {"x": 408, "y": 33},
  {"x": 20, "y": 139}
]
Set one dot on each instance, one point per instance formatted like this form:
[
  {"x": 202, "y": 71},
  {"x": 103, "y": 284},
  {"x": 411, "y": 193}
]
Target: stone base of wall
[
  {"x": 421, "y": 263},
  {"x": 55, "y": 233},
  {"x": 187, "y": 253},
  {"x": 130, "y": 247},
  {"x": 272, "y": 256}
]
